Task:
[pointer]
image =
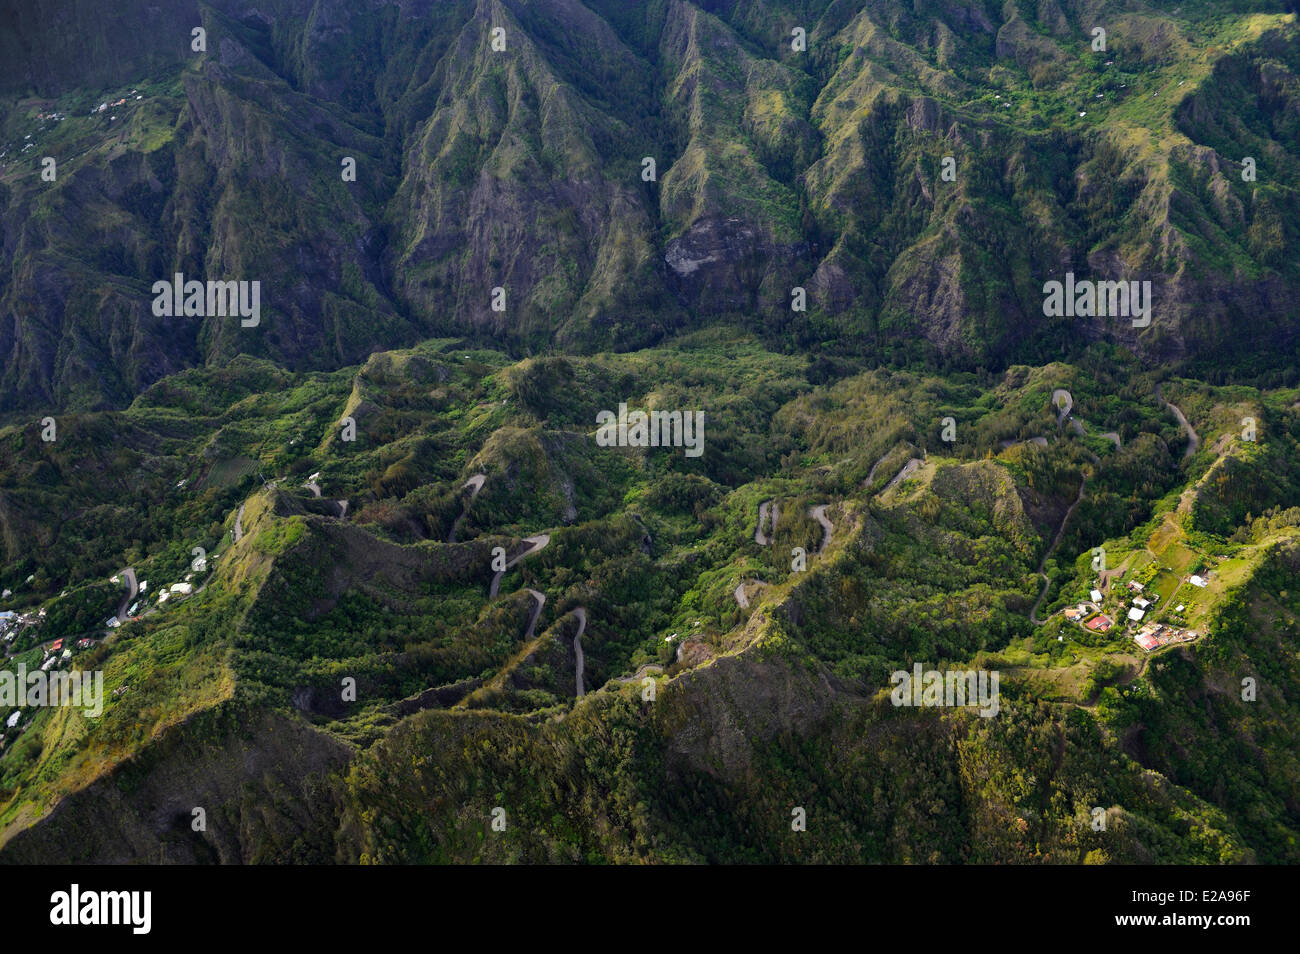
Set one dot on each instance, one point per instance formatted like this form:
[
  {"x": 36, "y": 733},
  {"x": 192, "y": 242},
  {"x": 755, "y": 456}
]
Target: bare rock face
[{"x": 722, "y": 265}]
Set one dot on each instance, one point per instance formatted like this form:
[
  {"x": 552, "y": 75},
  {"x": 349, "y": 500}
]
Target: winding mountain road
[
  {"x": 475, "y": 484},
  {"x": 1193, "y": 439},
  {"x": 908, "y": 470},
  {"x": 316, "y": 492},
  {"x": 874, "y": 467},
  {"x": 760, "y": 537},
  {"x": 1082, "y": 430},
  {"x": 535, "y": 544},
  {"x": 537, "y": 612},
  {"x": 741, "y": 599},
  {"x": 1064, "y": 402},
  {"x": 581, "y": 613},
  {"x": 132, "y": 588},
  {"x": 819, "y": 514}
]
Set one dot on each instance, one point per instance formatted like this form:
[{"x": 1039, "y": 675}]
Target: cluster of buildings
[
  {"x": 1101, "y": 623},
  {"x": 1088, "y": 614},
  {"x": 1140, "y": 604},
  {"x": 1154, "y": 635},
  {"x": 113, "y": 105},
  {"x": 12, "y": 624},
  {"x": 1135, "y": 607},
  {"x": 55, "y": 654},
  {"x": 177, "y": 590}
]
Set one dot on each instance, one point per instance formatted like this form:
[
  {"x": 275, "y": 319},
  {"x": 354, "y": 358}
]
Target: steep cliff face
[
  {"x": 589, "y": 176},
  {"x": 260, "y": 780}
]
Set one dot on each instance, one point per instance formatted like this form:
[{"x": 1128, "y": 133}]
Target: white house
[
  {"x": 1198, "y": 581},
  {"x": 1096, "y": 596},
  {"x": 1136, "y": 614}
]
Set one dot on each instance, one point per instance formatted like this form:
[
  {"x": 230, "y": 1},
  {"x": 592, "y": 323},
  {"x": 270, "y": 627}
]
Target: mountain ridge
[{"x": 521, "y": 170}]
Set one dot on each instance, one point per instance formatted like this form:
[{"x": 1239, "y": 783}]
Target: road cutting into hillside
[
  {"x": 908, "y": 470},
  {"x": 316, "y": 492},
  {"x": 581, "y": 613},
  {"x": 819, "y": 514},
  {"x": 871, "y": 475},
  {"x": 760, "y": 537},
  {"x": 475, "y": 484},
  {"x": 540, "y": 598},
  {"x": 535, "y": 544},
  {"x": 1064, "y": 406},
  {"x": 132, "y": 588},
  {"x": 1193, "y": 439}
]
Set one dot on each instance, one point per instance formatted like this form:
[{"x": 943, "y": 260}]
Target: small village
[
  {"x": 1132, "y": 607},
  {"x": 20, "y": 633},
  {"x": 44, "y": 121}
]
